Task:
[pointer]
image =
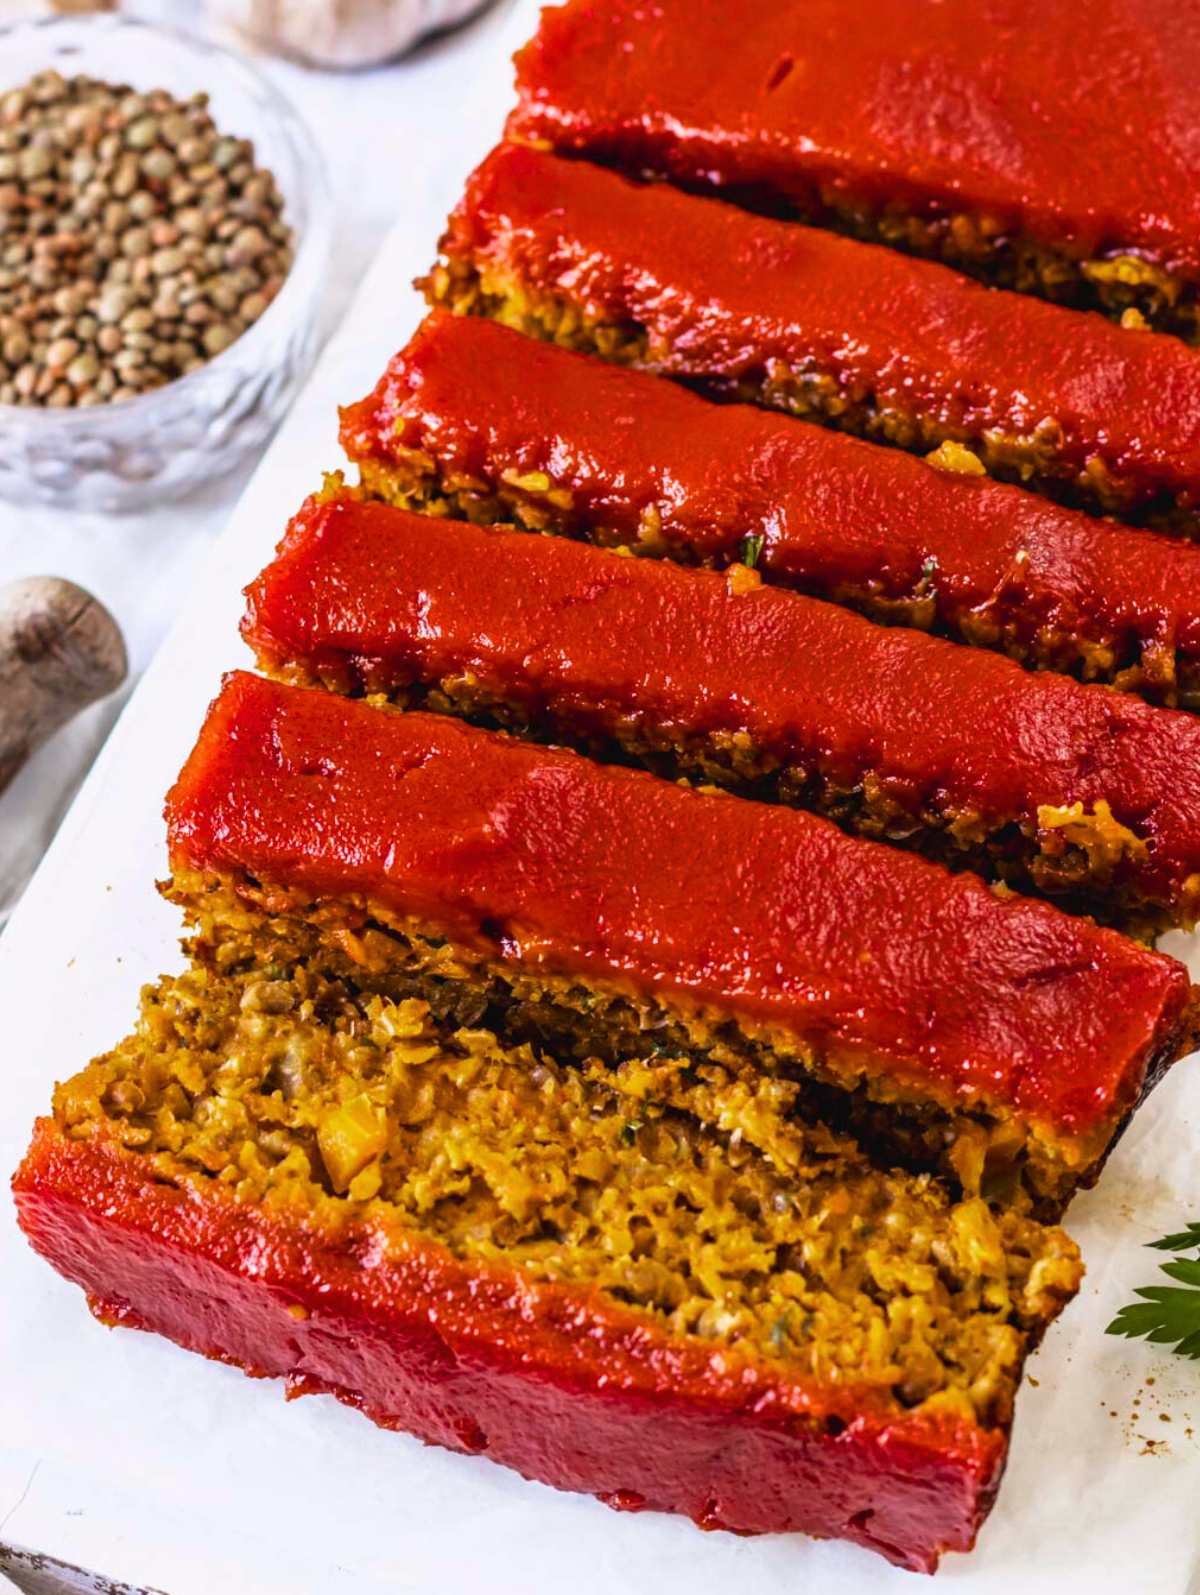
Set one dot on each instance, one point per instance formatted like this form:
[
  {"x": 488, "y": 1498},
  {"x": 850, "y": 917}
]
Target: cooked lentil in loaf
[
  {"x": 436, "y": 1227},
  {"x": 996, "y": 139},
  {"x": 473, "y": 420},
  {"x": 607, "y": 913},
  {"x": 1083, "y": 793},
  {"x": 898, "y": 350}
]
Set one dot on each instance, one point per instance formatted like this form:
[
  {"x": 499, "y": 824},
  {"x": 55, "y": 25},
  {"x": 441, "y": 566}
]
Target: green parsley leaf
[
  {"x": 1168, "y": 1315},
  {"x": 1182, "y": 1241}
]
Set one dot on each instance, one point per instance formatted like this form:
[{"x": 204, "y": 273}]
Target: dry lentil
[{"x": 136, "y": 240}]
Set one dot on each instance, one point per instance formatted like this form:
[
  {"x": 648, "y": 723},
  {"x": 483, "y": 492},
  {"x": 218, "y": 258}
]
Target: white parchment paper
[{"x": 121, "y": 1453}]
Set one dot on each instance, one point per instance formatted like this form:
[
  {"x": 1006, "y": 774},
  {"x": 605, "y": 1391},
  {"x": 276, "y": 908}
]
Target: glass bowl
[{"x": 135, "y": 452}]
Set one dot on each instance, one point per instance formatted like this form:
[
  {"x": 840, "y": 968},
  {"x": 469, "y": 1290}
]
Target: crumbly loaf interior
[
  {"x": 980, "y": 1150},
  {"x": 697, "y": 1200}
]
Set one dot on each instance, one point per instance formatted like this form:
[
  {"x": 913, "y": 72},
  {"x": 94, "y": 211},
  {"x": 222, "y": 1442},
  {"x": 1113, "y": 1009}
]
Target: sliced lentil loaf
[
  {"x": 1077, "y": 792},
  {"x": 994, "y": 138},
  {"x": 566, "y": 1269},
  {"x": 473, "y": 420},
  {"x": 903, "y": 351},
  {"x": 608, "y": 913}
]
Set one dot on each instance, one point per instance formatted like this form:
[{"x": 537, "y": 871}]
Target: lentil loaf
[
  {"x": 1076, "y": 792},
  {"x": 903, "y": 351},
  {"x": 605, "y": 912},
  {"x": 994, "y": 138},
  {"x": 681, "y": 1149},
  {"x": 471, "y": 419},
  {"x": 566, "y": 1269}
]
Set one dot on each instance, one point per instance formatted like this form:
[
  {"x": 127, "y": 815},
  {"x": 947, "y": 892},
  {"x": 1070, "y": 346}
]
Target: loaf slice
[
  {"x": 1077, "y": 792},
  {"x": 566, "y": 1269},
  {"x": 898, "y": 350},
  {"x": 607, "y": 913}
]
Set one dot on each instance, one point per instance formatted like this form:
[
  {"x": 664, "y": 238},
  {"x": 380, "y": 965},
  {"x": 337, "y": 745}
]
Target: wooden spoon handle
[{"x": 60, "y": 650}]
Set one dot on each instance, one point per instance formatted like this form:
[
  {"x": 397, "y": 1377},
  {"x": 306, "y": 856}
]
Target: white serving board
[{"x": 123, "y": 1454}]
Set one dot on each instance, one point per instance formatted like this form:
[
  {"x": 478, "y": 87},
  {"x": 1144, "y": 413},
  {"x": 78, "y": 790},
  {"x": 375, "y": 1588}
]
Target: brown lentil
[{"x": 136, "y": 240}]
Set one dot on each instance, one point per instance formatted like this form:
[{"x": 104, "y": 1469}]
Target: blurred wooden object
[{"x": 60, "y": 650}]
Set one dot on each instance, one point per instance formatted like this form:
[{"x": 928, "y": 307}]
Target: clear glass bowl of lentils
[{"x": 164, "y": 234}]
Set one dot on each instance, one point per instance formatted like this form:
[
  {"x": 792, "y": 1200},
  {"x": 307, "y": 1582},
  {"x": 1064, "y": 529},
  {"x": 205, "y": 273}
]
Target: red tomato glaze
[
  {"x": 548, "y": 860},
  {"x": 544, "y": 1378},
  {"x": 723, "y": 295},
  {"x": 591, "y": 638},
  {"x": 838, "y": 517},
  {"x": 1019, "y": 109}
]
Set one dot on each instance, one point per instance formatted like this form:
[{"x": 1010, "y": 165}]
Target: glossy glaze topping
[
  {"x": 1021, "y": 110},
  {"x": 773, "y": 916},
  {"x": 837, "y": 517},
  {"x": 728, "y": 297},
  {"x": 593, "y": 640}
]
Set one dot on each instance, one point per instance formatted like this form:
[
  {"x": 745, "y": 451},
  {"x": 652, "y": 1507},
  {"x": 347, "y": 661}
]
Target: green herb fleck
[
  {"x": 1168, "y": 1315},
  {"x": 632, "y": 1126},
  {"x": 752, "y": 547}
]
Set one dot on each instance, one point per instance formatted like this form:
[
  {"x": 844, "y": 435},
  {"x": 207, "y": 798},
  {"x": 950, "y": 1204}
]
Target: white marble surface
[{"x": 370, "y": 125}]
